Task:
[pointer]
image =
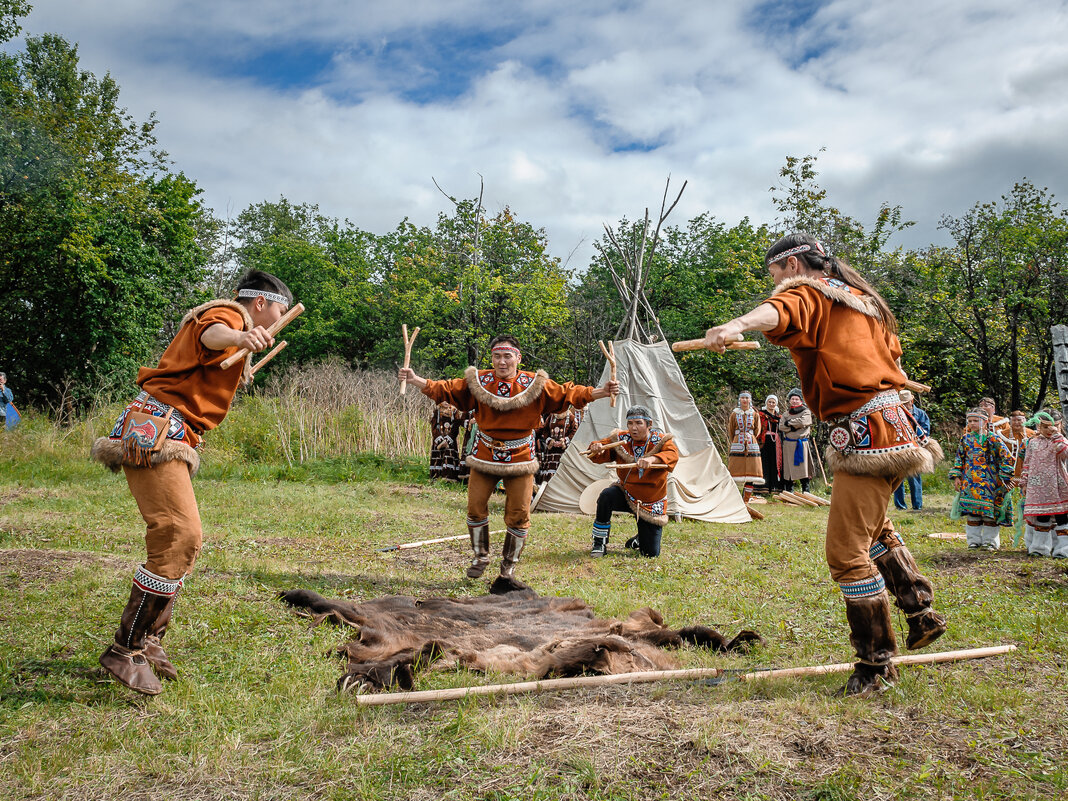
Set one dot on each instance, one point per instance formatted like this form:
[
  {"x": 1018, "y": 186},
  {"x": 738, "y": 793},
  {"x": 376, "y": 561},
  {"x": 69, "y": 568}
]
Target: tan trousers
[
  {"x": 164, "y": 495},
  {"x": 518, "y": 491},
  {"x": 856, "y": 520}
]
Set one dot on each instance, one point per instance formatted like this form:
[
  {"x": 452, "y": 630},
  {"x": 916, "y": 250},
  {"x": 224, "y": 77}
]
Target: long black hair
[{"x": 807, "y": 248}]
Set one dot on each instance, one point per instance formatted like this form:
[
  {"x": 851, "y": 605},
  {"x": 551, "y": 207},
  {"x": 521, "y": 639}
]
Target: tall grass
[{"x": 304, "y": 414}]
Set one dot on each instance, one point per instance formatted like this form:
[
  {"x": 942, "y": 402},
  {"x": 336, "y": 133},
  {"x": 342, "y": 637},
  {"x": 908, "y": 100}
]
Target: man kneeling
[{"x": 646, "y": 456}]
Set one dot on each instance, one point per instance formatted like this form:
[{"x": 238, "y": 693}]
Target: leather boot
[
  {"x": 513, "y": 547},
  {"x": 913, "y": 595},
  {"x": 479, "y": 534},
  {"x": 872, "y": 634},
  {"x": 154, "y": 652},
  {"x": 125, "y": 658},
  {"x": 600, "y": 539}
]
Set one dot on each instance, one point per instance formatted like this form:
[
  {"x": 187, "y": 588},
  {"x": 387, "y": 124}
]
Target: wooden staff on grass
[
  {"x": 610, "y": 354},
  {"x": 406, "y": 546},
  {"x": 408, "y": 341},
  {"x": 277, "y": 326},
  {"x": 548, "y": 685}
]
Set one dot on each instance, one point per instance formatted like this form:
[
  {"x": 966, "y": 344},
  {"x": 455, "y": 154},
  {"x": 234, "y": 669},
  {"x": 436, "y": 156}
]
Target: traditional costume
[
  {"x": 847, "y": 358},
  {"x": 770, "y": 446},
  {"x": 642, "y": 492},
  {"x": 185, "y": 395},
  {"x": 507, "y": 413},
  {"x": 1045, "y": 489},
  {"x": 795, "y": 426},
  {"x": 445, "y": 425},
  {"x": 984, "y": 467},
  {"x": 743, "y": 430},
  {"x": 554, "y": 438}
]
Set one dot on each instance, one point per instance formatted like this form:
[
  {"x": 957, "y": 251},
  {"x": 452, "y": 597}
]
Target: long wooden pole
[
  {"x": 404, "y": 546},
  {"x": 625, "y": 465},
  {"x": 277, "y": 326},
  {"x": 552, "y": 685},
  {"x": 606, "y": 446}
]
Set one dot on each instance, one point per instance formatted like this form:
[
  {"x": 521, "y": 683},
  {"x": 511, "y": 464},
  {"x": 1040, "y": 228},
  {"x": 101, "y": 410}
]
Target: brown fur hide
[{"x": 516, "y": 632}]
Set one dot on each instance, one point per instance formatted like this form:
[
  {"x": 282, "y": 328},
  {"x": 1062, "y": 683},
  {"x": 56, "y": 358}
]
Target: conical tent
[{"x": 699, "y": 488}]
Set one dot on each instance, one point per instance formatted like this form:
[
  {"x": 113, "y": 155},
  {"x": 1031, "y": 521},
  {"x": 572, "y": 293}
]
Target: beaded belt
[{"x": 506, "y": 444}]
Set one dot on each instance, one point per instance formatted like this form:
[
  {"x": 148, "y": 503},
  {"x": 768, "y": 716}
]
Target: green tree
[
  {"x": 329, "y": 267},
  {"x": 467, "y": 280},
  {"x": 10, "y": 12},
  {"x": 99, "y": 238}
]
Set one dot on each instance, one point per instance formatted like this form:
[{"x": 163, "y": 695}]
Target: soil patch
[{"x": 26, "y": 565}]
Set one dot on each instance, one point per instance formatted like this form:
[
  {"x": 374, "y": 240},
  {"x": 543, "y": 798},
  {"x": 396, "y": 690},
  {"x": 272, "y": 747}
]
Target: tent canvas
[{"x": 699, "y": 488}]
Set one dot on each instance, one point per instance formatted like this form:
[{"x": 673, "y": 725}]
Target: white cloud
[{"x": 931, "y": 106}]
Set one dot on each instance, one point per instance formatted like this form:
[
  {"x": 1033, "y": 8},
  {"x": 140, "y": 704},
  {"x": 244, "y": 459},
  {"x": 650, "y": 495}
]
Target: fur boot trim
[
  {"x": 109, "y": 453},
  {"x": 503, "y": 468},
  {"x": 859, "y": 303},
  {"x": 524, "y": 398}
]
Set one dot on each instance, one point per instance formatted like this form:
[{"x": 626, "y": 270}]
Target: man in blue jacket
[
  {"x": 915, "y": 482},
  {"x": 5, "y": 398}
]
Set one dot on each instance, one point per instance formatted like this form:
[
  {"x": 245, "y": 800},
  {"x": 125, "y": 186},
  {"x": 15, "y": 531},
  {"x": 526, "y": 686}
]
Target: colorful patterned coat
[
  {"x": 1045, "y": 477},
  {"x": 984, "y": 465}
]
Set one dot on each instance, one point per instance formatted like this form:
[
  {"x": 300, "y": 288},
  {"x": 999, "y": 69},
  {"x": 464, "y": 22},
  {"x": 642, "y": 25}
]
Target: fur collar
[
  {"x": 524, "y": 398},
  {"x": 859, "y": 303},
  {"x": 194, "y": 314}
]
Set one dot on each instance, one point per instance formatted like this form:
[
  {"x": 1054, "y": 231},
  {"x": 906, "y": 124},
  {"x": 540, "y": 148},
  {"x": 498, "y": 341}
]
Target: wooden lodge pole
[{"x": 554, "y": 685}]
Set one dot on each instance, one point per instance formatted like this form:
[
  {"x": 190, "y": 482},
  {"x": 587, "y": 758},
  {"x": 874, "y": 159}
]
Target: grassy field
[{"x": 255, "y": 714}]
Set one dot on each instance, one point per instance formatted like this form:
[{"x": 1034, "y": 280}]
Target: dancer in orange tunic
[
  {"x": 843, "y": 339},
  {"x": 188, "y": 393},
  {"x": 508, "y": 404}
]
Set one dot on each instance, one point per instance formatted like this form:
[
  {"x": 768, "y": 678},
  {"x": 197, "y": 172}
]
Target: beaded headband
[
  {"x": 263, "y": 293},
  {"x": 639, "y": 415},
  {"x": 799, "y": 249},
  {"x": 506, "y": 348}
]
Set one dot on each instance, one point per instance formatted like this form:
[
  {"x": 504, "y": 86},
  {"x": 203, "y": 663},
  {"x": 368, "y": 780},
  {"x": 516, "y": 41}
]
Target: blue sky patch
[{"x": 785, "y": 27}]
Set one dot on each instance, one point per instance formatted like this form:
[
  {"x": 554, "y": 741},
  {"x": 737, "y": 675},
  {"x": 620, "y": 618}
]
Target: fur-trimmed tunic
[
  {"x": 646, "y": 490},
  {"x": 847, "y": 360},
  {"x": 187, "y": 379},
  {"x": 507, "y": 413},
  {"x": 743, "y": 430}
]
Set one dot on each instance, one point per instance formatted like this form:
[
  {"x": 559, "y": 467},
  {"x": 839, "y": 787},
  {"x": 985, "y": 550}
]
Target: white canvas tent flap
[{"x": 699, "y": 488}]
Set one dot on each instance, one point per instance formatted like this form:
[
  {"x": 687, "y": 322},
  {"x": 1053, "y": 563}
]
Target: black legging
[{"x": 613, "y": 499}]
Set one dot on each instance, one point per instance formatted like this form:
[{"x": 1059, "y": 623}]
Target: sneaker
[{"x": 632, "y": 543}]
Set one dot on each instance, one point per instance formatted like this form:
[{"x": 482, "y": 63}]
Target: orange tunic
[
  {"x": 507, "y": 413},
  {"x": 847, "y": 360},
  {"x": 646, "y": 490},
  {"x": 188, "y": 375}
]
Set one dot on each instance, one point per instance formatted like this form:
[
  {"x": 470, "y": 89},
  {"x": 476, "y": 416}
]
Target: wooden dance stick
[
  {"x": 789, "y": 499},
  {"x": 277, "y": 326},
  {"x": 815, "y": 498},
  {"x": 405, "y": 546},
  {"x": 270, "y": 355},
  {"x": 699, "y": 344},
  {"x": 753, "y": 513},
  {"x": 408, "y": 341},
  {"x": 610, "y": 354},
  {"x": 606, "y": 446},
  {"x": 625, "y": 465},
  {"x": 552, "y": 685},
  {"x": 916, "y": 386}
]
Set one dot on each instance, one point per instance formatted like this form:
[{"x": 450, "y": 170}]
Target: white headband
[
  {"x": 791, "y": 252},
  {"x": 262, "y": 293}
]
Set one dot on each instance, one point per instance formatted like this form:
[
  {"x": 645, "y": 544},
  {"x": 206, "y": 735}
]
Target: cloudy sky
[{"x": 574, "y": 112}]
